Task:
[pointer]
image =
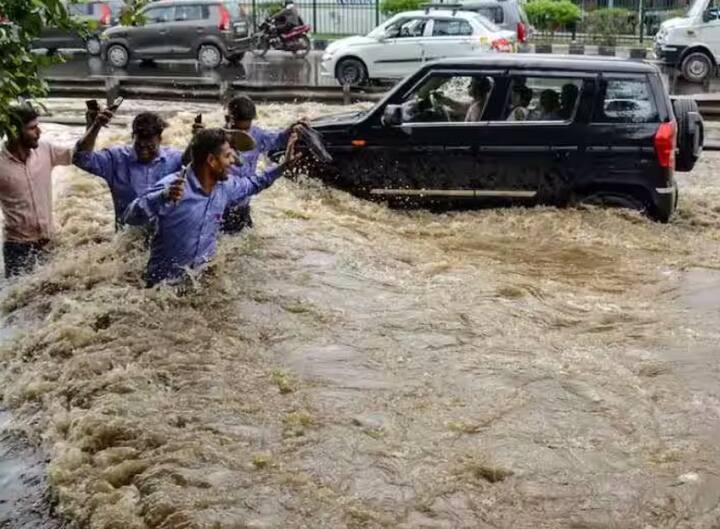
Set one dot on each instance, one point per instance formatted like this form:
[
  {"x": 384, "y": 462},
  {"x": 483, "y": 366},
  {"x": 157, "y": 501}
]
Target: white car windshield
[
  {"x": 381, "y": 29},
  {"x": 697, "y": 8},
  {"x": 486, "y": 23}
]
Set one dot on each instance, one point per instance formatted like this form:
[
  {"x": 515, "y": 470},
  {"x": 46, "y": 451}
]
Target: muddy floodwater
[{"x": 344, "y": 365}]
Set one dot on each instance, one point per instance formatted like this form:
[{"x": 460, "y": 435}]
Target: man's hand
[
  {"x": 292, "y": 157},
  {"x": 175, "y": 192},
  {"x": 197, "y": 127},
  {"x": 104, "y": 117}
]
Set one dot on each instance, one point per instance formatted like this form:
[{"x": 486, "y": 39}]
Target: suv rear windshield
[
  {"x": 494, "y": 14},
  {"x": 625, "y": 101}
]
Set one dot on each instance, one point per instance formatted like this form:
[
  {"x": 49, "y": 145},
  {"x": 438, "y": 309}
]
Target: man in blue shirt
[
  {"x": 129, "y": 170},
  {"x": 188, "y": 206},
  {"x": 240, "y": 116}
]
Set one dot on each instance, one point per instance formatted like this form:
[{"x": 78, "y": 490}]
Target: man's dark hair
[
  {"x": 148, "y": 125},
  {"x": 242, "y": 108},
  {"x": 205, "y": 143},
  {"x": 19, "y": 116}
]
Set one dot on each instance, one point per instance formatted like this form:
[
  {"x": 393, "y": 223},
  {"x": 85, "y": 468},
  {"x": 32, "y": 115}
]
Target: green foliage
[
  {"x": 606, "y": 24},
  {"x": 266, "y": 9},
  {"x": 392, "y": 7},
  {"x": 551, "y": 15},
  {"x": 22, "y": 22},
  {"x": 131, "y": 13}
]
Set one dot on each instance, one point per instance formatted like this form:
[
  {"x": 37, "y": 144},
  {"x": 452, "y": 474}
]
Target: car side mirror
[
  {"x": 392, "y": 116},
  {"x": 709, "y": 15}
]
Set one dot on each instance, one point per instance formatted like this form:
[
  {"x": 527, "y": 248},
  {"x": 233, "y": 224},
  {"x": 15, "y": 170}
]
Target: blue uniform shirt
[
  {"x": 265, "y": 141},
  {"x": 126, "y": 177},
  {"x": 187, "y": 231}
]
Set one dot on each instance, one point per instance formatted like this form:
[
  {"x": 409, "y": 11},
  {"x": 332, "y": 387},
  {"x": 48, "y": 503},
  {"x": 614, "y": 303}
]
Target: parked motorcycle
[{"x": 267, "y": 37}]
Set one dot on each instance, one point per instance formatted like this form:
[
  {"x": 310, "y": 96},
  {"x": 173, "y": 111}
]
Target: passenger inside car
[
  {"x": 459, "y": 109},
  {"x": 521, "y": 98},
  {"x": 548, "y": 108}
]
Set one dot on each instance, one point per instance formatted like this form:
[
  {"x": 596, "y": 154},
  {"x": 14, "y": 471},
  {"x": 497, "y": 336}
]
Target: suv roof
[{"x": 560, "y": 62}]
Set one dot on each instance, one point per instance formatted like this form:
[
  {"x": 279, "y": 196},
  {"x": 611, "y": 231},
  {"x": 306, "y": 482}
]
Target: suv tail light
[
  {"x": 501, "y": 45},
  {"x": 521, "y": 33},
  {"x": 105, "y": 15},
  {"x": 665, "y": 141},
  {"x": 224, "y": 24}
]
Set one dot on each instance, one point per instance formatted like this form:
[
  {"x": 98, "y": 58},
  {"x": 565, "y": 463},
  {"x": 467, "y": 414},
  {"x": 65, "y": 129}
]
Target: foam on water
[{"x": 348, "y": 365}]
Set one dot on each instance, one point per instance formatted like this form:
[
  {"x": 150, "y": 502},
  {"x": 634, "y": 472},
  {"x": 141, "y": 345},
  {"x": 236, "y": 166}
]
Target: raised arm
[
  {"x": 154, "y": 203},
  {"x": 97, "y": 163}
]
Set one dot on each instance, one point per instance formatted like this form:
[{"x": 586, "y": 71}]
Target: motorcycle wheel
[
  {"x": 302, "y": 46},
  {"x": 260, "y": 45}
]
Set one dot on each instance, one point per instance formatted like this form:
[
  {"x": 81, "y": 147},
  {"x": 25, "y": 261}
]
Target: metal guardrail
[{"x": 195, "y": 89}]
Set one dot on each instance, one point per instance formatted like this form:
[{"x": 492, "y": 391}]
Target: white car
[
  {"x": 400, "y": 45},
  {"x": 691, "y": 43}
]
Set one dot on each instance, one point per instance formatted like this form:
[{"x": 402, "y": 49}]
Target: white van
[{"x": 691, "y": 43}]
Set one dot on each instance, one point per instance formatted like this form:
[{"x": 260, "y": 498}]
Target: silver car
[{"x": 207, "y": 30}]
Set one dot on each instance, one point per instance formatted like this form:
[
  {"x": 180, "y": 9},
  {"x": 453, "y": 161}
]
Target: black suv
[
  {"x": 206, "y": 30},
  {"x": 519, "y": 128}
]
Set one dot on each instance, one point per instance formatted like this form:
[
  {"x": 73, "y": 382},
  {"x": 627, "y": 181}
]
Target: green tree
[
  {"x": 391, "y": 7},
  {"x": 21, "y": 22},
  {"x": 552, "y": 15}
]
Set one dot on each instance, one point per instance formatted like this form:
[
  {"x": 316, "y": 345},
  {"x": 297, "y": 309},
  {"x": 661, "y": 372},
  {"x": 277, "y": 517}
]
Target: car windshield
[
  {"x": 490, "y": 26},
  {"x": 382, "y": 28},
  {"x": 697, "y": 8}
]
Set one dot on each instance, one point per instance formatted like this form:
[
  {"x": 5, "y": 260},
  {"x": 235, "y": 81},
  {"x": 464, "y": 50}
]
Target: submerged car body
[{"x": 611, "y": 139}]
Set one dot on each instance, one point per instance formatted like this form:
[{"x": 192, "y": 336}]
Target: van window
[
  {"x": 625, "y": 101},
  {"x": 451, "y": 27},
  {"x": 156, "y": 15},
  {"x": 449, "y": 99},
  {"x": 189, "y": 12},
  {"x": 542, "y": 99}
]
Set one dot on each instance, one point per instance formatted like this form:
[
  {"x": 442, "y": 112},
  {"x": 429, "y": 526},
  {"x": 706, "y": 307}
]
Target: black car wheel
[
  {"x": 351, "y": 72},
  {"x": 93, "y": 46},
  {"x": 118, "y": 56},
  {"x": 260, "y": 45},
  {"x": 303, "y": 46},
  {"x": 696, "y": 67},
  {"x": 690, "y": 133},
  {"x": 614, "y": 199},
  {"x": 209, "y": 56}
]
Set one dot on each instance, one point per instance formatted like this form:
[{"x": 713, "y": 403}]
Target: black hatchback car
[
  {"x": 207, "y": 30},
  {"x": 520, "y": 128}
]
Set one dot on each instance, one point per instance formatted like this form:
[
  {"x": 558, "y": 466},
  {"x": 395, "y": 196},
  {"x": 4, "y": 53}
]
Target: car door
[
  {"x": 431, "y": 156},
  {"x": 450, "y": 37},
  {"x": 190, "y": 25},
  {"x": 151, "y": 40},
  {"x": 401, "y": 52},
  {"x": 534, "y": 149},
  {"x": 707, "y": 29}
]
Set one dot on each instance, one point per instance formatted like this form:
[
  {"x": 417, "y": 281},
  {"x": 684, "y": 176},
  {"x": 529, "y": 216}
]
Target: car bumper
[
  {"x": 665, "y": 201},
  {"x": 668, "y": 54},
  {"x": 238, "y": 45}
]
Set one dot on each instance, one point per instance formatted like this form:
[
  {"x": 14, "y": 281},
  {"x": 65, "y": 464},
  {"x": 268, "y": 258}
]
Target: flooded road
[{"x": 348, "y": 365}]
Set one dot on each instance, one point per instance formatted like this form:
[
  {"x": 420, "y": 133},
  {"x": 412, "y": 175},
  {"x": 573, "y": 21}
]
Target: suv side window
[
  {"x": 625, "y": 101},
  {"x": 451, "y": 27},
  {"x": 190, "y": 12},
  {"x": 446, "y": 98},
  {"x": 542, "y": 99},
  {"x": 156, "y": 15}
]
